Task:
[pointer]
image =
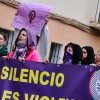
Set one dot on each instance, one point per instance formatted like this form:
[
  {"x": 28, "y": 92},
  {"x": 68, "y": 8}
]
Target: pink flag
[{"x": 31, "y": 16}]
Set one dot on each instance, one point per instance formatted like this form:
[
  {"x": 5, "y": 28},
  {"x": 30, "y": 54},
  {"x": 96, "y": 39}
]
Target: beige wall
[
  {"x": 63, "y": 34},
  {"x": 7, "y": 14},
  {"x": 58, "y": 32},
  {"x": 82, "y": 10}
]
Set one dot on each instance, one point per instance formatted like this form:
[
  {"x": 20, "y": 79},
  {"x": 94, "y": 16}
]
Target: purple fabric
[
  {"x": 21, "y": 50},
  {"x": 67, "y": 59},
  {"x": 31, "y": 15},
  {"x": 21, "y": 45},
  {"x": 32, "y": 40},
  {"x": 76, "y": 80}
]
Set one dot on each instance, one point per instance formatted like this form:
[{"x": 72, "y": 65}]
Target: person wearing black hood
[
  {"x": 72, "y": 54},
  {"x": 88, "y": 55}
]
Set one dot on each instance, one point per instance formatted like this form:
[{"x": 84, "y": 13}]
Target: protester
[
  {"x": 88, "y": 55},
  {"x": 72, "y": 54},
  {"x": 97, "y": 59},
  {"x": 25, "y": 47},
  {"x": 3, "y": 47}
]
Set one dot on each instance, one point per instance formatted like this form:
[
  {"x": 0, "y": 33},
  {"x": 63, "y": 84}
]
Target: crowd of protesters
[
  {"x": 25, "y": 49},
  {"x": 75, "y": 54}
]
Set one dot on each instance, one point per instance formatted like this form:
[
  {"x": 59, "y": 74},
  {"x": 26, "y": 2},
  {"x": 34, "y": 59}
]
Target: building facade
[
  {"x": 62, "y": 30},
  {"x": 84, "y": 11}
]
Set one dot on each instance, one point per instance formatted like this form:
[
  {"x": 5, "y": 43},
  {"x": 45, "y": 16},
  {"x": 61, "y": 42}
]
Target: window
[
  {"x": 55, "y": 53},
  {"x": 11, "y": 36}
]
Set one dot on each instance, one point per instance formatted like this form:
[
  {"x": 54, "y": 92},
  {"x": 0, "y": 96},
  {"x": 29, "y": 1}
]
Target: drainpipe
[{"x": 97, "y": 9}]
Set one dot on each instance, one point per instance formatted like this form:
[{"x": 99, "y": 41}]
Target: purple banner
[
  {"x": 32, "y": 16},
  {"x": 37, "y": 81}
]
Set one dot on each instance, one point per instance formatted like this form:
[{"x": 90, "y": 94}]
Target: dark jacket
[{"x": 3, "y": 51}]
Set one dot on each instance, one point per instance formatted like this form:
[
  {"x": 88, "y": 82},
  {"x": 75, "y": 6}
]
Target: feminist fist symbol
[{"x": 32, "y": 15}]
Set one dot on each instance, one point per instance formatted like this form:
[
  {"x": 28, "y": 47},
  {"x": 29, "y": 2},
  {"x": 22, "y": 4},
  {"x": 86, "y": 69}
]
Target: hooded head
[
  {"x": 76, "y": 52},
  {"x": 88, "y": 55},
  {"x": 30, "y": 38}
]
